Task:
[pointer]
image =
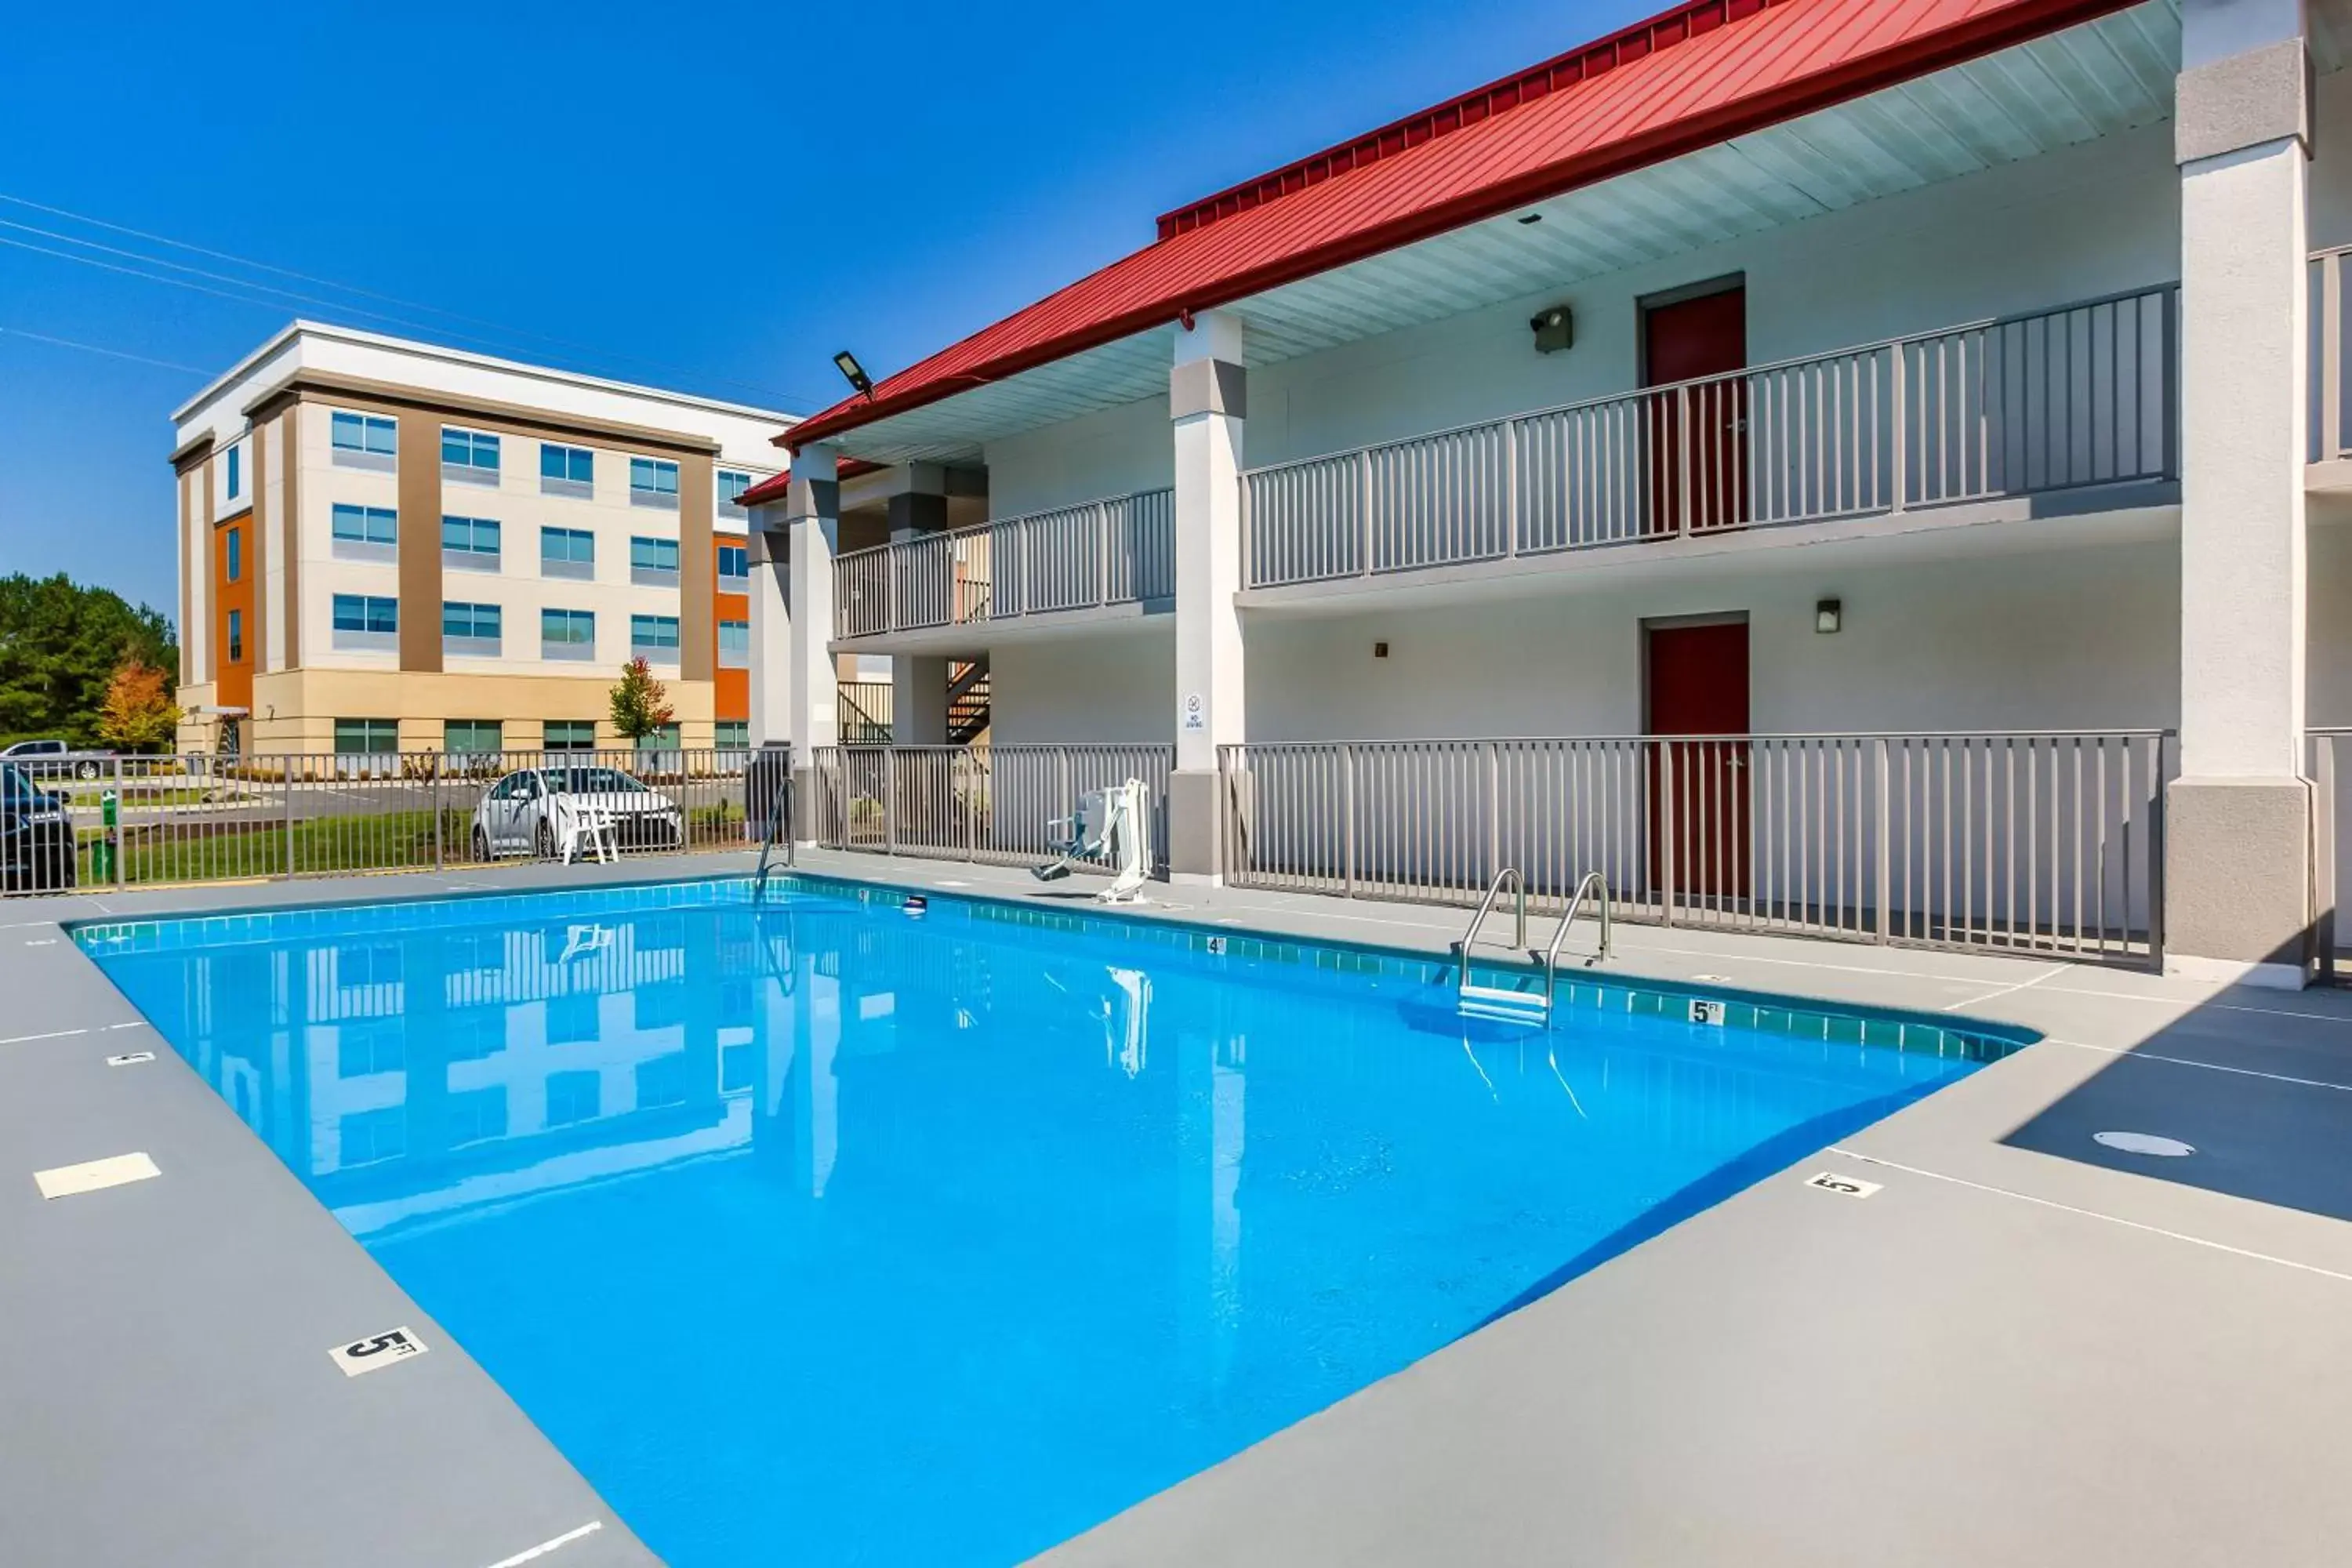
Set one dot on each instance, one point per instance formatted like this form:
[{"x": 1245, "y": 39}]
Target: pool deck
[{"x": 2024, "y": 1348}]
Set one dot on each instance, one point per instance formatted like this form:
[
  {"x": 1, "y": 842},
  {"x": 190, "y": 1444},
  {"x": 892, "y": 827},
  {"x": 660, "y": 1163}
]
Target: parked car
[
  {"x": 36, "y": 836},
  {"x": 53, "y": 759},
  {"x": 525, "y": 812}
]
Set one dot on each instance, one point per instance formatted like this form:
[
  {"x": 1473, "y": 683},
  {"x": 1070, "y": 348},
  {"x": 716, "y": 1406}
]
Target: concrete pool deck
[{"x": 2025, "y": 1347}]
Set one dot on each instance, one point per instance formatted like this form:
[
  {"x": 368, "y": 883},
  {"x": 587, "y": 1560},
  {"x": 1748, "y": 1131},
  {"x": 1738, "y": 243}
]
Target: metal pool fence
[
  {"x": 2043, "y": 843},
  {"x": 972, "y": 802},
  {"x": 152, "y": 821}
]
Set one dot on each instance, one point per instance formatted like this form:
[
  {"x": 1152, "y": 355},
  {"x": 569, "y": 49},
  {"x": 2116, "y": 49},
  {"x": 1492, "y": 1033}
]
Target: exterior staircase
[{"x": 967, "y": 703}]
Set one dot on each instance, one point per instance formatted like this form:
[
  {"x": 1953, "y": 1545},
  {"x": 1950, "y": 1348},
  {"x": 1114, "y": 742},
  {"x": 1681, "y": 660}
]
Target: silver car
[
  {"x": 527, "y": 813},
  {"x": 52, "y": 759}
]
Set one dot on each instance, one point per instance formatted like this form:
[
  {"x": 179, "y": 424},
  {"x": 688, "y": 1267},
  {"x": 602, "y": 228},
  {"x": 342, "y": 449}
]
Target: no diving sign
[
  {"x": 377, "y": 1351},
  {"x": 1196, "y": 711}
]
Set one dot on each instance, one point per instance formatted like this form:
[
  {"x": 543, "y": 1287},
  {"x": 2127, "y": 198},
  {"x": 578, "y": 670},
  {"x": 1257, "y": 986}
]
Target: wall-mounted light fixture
[
  {"x": 1828, "y": 616},
  {"x": 1555, "y": 329},
  {"x": 846, "y": 362}
]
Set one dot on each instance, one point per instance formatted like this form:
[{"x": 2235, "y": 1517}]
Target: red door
[
  {"x": 1698, "y": 786},
  {"x": 1706, "y": 336}
]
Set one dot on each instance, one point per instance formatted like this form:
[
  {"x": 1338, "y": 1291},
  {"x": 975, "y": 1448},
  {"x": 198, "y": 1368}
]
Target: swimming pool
[{"x": 832, "y": 1233}]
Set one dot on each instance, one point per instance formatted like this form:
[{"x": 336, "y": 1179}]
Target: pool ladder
[
  {"x": 1526, "y": 1007},
  {"x": 780, "y": 813}
]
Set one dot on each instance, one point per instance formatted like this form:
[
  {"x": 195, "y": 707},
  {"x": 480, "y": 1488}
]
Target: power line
[
  {"x": 96, "y": 349},
  {"x": 505, "y": 331}
]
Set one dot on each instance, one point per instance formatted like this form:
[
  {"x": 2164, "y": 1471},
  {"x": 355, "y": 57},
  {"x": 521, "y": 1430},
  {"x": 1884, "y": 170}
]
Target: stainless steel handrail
[
  {"x": 1592, "y": 880},
  {"x": 780, "y": 808},
  {"x": 1470, "y": 937}
]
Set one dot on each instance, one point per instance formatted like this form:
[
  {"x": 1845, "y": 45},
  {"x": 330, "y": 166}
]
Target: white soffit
[{"x": 2097, "y": 79}]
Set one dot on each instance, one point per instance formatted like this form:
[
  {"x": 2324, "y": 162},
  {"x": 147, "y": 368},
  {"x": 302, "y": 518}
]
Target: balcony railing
[
  {"x": 2330, "y": 441},
  {"x": 1114, "y": 551},
  {"x": 973, "y": 803},
  {"x": 2080, "y": 395},
  {"x": 863, "y": 712},
  {"x": 2029, "y": 842}
]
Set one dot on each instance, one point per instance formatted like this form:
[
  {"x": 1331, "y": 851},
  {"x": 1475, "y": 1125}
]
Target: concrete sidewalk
[{"x": 2027, "y": 1347}]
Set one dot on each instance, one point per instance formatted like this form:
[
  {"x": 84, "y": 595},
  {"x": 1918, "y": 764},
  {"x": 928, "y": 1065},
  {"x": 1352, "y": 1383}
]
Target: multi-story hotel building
[{"x": 386, "y": 544}]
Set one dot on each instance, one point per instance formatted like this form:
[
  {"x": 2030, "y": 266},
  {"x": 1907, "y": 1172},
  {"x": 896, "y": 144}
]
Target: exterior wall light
[
  {"x": 846, "y": 362},
  {"x": 1554, "y": 329},
  {"x": 1828, "y": 614}
]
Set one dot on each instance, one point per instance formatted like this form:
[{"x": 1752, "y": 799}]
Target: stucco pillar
[
  {"x": 769, "y": 547},
  {"x": 1207, "y": 404},
  {"x": 919, "y": 685},
  {"x": 813, "y": 515},
  {"x": 2238, "y": 819}
]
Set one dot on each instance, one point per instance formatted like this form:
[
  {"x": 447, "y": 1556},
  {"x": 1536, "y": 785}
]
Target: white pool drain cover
[{"x": 2144, "y": 1144}]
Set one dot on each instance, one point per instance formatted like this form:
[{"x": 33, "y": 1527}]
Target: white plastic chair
[{"x": 587, "y": 827}]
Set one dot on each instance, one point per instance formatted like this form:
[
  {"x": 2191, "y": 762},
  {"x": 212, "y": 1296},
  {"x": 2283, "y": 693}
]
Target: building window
[
  {"x": 653, "y": 481},
  {"x": 365, "y": 440},
  {"x": 367, "y": 1136},
  {"x": 365, "y": 621},
  {"x": 470, "y": 629},
  {"x": 732, "y": 734},
  {"x": 654, "y": 562},
  {"x": 473, "y": 1115},
  {"x": 236, "y": 472},
  {"x": 734, "y": 568},
  {"x": 567, "y": 552},
  {"x": 237, "y": 636},
  {"x": 653, "y": 637},
  {"x": 571, "y": 735},
  {"x": 474, "y": 736},
  {"x": 660, "y": 738},
  {"x": 233, "y": 544},
  {"x": 566, "y": 471},
  {"x": 469, "y": 543},
  {"x": 364, "y": 532},
  {"x": 367, "y": 737},
  {"x": 469, "y": 457},
  {"x": 574, "y": 1096},
  {"x": 732, "y": 483},
  {"x": 567, "y": 633},
  {"x": 734, "y": 644}
]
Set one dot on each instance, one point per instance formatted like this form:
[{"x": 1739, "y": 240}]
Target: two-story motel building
[
  {"x": 1943, "y": 399},
  {"x": 388, "y": 545}
]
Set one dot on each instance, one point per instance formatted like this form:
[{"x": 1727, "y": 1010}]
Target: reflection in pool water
[{"x": 829, "y": 1234}]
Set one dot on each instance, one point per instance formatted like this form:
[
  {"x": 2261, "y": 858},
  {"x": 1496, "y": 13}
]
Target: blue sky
[{"x": 715, "y": 205}]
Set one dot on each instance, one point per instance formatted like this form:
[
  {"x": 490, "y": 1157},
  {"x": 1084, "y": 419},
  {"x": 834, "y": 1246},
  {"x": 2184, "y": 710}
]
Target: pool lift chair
[{"x": 1114, "y": 823}]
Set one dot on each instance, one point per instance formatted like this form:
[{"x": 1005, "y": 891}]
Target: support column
[
  {"x": 1207, "y": 405},
  {"x": 2238, "y": 820},
  {"x": 812, "y": 516},
  {"x": 770, "y": 549},
  {"x": 919, "y": 686}
]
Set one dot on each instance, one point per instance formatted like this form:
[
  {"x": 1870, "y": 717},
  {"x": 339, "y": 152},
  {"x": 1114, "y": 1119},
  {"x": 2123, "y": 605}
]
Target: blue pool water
[{"x": 833, "y": 1234}]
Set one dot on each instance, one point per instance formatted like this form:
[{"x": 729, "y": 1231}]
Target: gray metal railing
[
  {"x": 204, "y": 818},
  {"x": 2080, "y": 395},
  {"x": 2330, "y": 772},
  {"x": 2045, "y": 842},
  {"x": 865, "y": 706},
  {"x": 1121, "y": 550},
  {"x": 2330, "y": 441},
  {"x": 972, "y": 802}
]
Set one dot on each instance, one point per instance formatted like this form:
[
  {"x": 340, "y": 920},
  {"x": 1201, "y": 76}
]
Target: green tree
[
  {"x": 640, "y": 703},
  {"x": 60, "y": 643}
]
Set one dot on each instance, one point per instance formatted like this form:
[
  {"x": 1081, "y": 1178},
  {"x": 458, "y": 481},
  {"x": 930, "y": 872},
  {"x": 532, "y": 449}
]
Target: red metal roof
[
  {"x": 774, "y": 487},
  {"x": 1688, "y": 78}
]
